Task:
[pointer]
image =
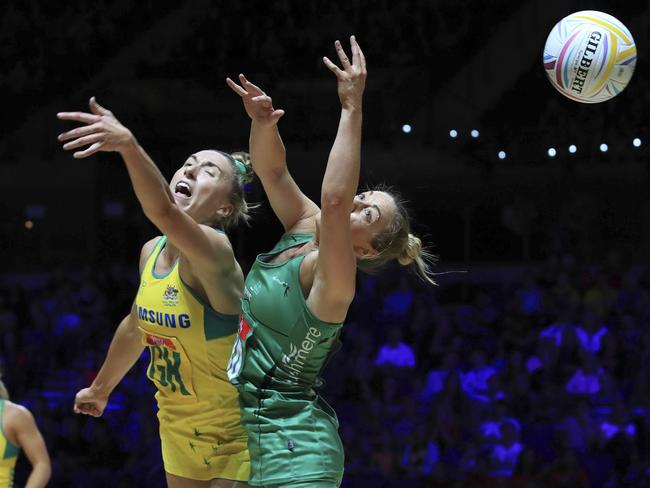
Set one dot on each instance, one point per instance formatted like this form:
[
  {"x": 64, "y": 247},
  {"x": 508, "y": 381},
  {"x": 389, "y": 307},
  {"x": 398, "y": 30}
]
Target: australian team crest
[{"x": 170, "y": 296}]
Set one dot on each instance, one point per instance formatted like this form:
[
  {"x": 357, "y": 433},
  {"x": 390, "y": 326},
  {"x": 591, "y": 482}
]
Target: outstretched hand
[
  {"x": 258, "y": 104},
  {"x": 352, "y": 78},
  {"x": 102, "y": 132}
]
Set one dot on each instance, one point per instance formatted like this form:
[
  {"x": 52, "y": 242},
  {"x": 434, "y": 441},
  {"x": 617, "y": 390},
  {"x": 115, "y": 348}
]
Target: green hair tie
[{"x": 241, "y": 166}]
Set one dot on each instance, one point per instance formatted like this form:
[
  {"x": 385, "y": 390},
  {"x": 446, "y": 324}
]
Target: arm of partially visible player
[
  {"x": 268, "y": 156},
  {"x": 125, "y": 349},
  {"x": 201, "y": 245},
  {"x": 31, "y": 441},
  {"x": 334, "y": 280}
]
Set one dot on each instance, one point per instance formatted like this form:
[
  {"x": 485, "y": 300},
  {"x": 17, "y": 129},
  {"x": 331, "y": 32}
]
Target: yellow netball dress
[
  {"x": 8, "y": 455},
  {"x": 190, "y": 345}
]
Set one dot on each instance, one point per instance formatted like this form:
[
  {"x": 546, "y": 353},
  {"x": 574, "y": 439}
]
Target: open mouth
[{"x": 182, "y": 188}]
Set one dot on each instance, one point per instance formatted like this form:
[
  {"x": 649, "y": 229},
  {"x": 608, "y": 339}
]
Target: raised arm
[
  {"x": 206, "y": 250},
  {"x": 269, "y": 161},
  {"x": 334, "y": 280}
]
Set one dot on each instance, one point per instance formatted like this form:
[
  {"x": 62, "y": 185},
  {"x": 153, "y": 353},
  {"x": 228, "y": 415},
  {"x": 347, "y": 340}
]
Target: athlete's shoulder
[
  {"x": 146, "y": 251},
  {"x": 218, "y": 236},
  {"x": 17, "y": 415},
  {"x": 222, "y": 247}
]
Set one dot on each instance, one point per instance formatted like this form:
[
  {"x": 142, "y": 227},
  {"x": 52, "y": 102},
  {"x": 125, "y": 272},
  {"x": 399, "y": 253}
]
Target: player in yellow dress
[
  {"x": 18, "y": 430},
  {"x": 186, "y": 309}
]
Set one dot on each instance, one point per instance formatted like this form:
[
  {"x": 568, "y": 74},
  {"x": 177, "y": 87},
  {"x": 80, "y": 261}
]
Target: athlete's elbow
[
  {"x": 334, "y": 202},
  {"x": 41, "y": 471}
]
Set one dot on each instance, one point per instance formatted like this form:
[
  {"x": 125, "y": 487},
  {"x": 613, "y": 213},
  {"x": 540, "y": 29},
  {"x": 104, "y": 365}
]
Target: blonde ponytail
[
  {"x": 421, "y": 258},
  {"x": 411, "y": 251}
]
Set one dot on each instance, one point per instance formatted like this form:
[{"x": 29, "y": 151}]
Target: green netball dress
[{"x": 277, "y": 357}]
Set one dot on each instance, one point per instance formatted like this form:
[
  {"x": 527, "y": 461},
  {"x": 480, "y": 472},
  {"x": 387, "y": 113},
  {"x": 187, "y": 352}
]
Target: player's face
[
  {"x": 201, "y": 187},
  {"x": 371, "y": 213}
]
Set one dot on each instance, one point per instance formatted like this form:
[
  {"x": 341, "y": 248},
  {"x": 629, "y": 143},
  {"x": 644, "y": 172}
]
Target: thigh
[
  {"x": 174, "y": 481},
  {"x": 228, "y": 484}
]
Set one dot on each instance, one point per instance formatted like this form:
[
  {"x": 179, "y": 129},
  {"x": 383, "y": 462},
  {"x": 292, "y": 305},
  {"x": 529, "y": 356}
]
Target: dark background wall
[{"x": 433, "y": 65}]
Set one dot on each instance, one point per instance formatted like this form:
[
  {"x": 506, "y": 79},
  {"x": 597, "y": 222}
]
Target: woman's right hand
[
  {"x": 90, "y": 401},
  {"x": 352, "y": 78},
  {"x": 102, "y": 132},
  {"x": 258, "y": 104}
]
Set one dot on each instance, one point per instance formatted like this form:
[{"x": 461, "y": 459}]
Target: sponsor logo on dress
[
  {"x": 284, "y": 284},
  {"x": 244, "y": 328},
  {"x": 252, "y": 289},
  {"x": 164, "y": 319},
  {"x": 296, "y": 358},
  {"x": 153, "y": 340}
]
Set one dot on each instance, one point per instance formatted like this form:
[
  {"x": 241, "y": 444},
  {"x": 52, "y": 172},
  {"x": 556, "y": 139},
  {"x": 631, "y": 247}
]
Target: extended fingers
[
  {"x": 78, "y": 132},
  {"x": 96, "y": 108},
  {"x": 362, "y": 58},
  {"x": 79, "y": 117},
  {"x": 236, "y": 88},
  {"x": 87, "y": 152},
  {"x": 342, "y": 56},
  {"x": 250, "y": 87},
  {"x": 358, "y": 58},
  {"x": 332, "y": 67},
  {"x": 82, "y": 141}
]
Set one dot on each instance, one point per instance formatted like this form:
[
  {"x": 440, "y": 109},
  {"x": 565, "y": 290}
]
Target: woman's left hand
[
  {"x": 102, "y": 131},
  {"x": 258, "y": 105},
  {"x": 352, "y": 78}
]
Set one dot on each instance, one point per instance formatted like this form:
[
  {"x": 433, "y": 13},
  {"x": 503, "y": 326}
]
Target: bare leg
[
  {"x": 174, "y": 481},
  {"x": 228, "y": 484},
  {"x": 179, "y": 482}
]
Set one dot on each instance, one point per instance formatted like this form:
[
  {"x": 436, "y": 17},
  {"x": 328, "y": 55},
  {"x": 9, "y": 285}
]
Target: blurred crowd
[{"x": 537, "y": 378}]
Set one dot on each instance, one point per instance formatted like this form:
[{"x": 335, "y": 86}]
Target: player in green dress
[{"x": 296, "y": 296}]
